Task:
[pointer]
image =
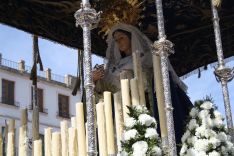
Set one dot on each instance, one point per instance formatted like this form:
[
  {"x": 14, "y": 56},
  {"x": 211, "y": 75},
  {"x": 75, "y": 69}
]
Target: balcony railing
[
  {"x": 27, "y": 69},
  {"x": 41, "y": 74},
  {"x": 9, "y": 64},
  {"x": 9, "y": 101},
  {"x": 58, "y": 78}
]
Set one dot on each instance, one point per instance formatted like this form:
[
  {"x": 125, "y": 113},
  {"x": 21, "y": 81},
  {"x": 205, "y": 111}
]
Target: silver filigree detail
[
  {"x": 165, "y": 144},
  {"x": 164, "y": 48},
  {"x": 168, "y": 105},
  {"x": 88, "y": 18},
  {"x": 222, "y": 73}
]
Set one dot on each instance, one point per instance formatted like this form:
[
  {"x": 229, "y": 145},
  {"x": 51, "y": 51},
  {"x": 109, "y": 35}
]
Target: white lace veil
[{"x": 140, "y": 43}]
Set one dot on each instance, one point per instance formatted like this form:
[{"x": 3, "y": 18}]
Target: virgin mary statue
[{"x": 123, "y": 40}]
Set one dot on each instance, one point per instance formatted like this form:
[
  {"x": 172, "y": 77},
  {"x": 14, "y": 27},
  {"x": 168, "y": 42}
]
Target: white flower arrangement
[
  {"x": 130, "y": 134},
  {"x": 140, "y": 135},
  {"x": 146, "y": 119},
  {"x": 130, "y": 122},
  {"x": 205, "y": 133}
]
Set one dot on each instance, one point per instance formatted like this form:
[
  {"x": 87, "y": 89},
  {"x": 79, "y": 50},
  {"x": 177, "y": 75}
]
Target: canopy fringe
[{"x": 200, "y": 69}]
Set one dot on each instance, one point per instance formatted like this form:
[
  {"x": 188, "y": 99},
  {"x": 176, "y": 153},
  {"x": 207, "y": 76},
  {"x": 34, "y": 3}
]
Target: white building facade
[{"x": 55, "y": 100}]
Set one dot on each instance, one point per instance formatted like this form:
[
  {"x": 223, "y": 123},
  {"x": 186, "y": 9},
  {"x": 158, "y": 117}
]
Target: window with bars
[
  {"x": 8, "y": 92},
  {"x": 39, "y": 99},
  {"x": 63, "y": 105}
]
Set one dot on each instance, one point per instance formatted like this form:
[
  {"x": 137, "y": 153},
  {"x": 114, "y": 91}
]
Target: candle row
[{"x": 73, "y": 141}]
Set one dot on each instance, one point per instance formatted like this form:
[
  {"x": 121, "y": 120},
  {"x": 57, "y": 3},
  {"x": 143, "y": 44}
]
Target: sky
[{"x": 16, "y": 45}]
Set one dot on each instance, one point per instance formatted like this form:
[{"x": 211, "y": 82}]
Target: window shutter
[
  {"x": 63, "y": 102},
  {"x": 8, "y": 92},
  {"x": 40, "y": 99}
]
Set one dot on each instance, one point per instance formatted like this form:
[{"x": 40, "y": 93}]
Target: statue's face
[{"x": 123, "y": 42}]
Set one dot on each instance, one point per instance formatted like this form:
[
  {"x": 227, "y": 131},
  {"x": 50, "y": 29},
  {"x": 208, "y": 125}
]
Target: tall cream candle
[
  {"x": 138, "y": 74},
  {"x": 73, "y": 122},
  {"x": 125, "y": 97},
  {"x": 11, "y": 144},
  {"x": 64, "y": 137},
  {"x": 86, "y": 138},
  {"x": 37, "y": 148},
  {"x": 73, "y": 142},
  {"x": 11, "y": 125},
  {"x": 24, "y": 117},
  {"x": 109, "y": 123},
  {"x": 134, "y": 92},
  {"x": 56, "y": 144},
  {"x": 160, "y": 95},
  {"x": 47, "y": 140},
  {"x": 1, "y": 144},
  {"x": 22, "y": 141},
  {"x": 101, "y": 129},
  {"x": 118, "y": 119},
  {"x": 81, "y": 129}
]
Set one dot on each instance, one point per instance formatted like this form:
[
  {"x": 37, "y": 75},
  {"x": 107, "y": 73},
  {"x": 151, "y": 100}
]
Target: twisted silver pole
[
  {"x": 86, "y": 18},
  {"x": 164, "y": 48},
  {"x": 223, "y": 74}
]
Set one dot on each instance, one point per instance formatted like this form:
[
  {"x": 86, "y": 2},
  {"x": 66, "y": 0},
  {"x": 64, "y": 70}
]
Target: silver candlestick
[
  {"x": 164, "y": 48},
  {"x": 87, "y": 18},
  {"x": 223, "y": 74}
]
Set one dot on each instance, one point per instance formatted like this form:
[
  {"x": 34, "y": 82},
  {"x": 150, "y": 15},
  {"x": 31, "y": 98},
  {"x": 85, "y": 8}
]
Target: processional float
[{"x": 86, "y": 17}]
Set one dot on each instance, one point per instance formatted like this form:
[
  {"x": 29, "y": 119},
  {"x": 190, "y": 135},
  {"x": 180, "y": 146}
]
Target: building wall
[{"x": 23, "y": 96}]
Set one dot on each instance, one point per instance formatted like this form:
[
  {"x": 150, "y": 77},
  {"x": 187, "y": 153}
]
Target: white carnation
[
  {"x": 222, "y": 137},
  {"x": 209, "y": 133},
  {"x": 140, "y": 148},
  {"x": 124, "y": 153},
  {"x": 201, "y": 145},
  {"x": 130, "y": 134},
  {"x": 183, "y": 149},
  {"x": 215, "y": 142},
  {"x": 185, "y": 136},
  {"x": 214, "y": 153},
  {"x": 192, "y": 152},
  {"x": 203, "y": 114},
  {"x": 208, "y": 121},
  {"x": 193, "y": 113},
  {"x": 217, "y": 122},
  {"x": 157, "y": 151},
  {"x": 193, "y": 124},
  {"x": 151, "y": 133},
  {"x": 138, "y": 108},
  {"x": 130, "y": 122},
  {"x": 224, "y": 151},
  {"x": 207, "y": 105},
  {"x": 141, "y": 108},
  {"x": 146, "y": 119},
  {"x": 218, "y": 115},
  {"x": 202, "y": 153},
  {"x": 200, "y": 131},
  {"x": 192, "y": 140},
  {"x": 230, "y": 147}
]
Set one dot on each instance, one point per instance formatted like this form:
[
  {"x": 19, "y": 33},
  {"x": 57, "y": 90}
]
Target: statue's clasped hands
[{"x": 98, "y": 72}]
